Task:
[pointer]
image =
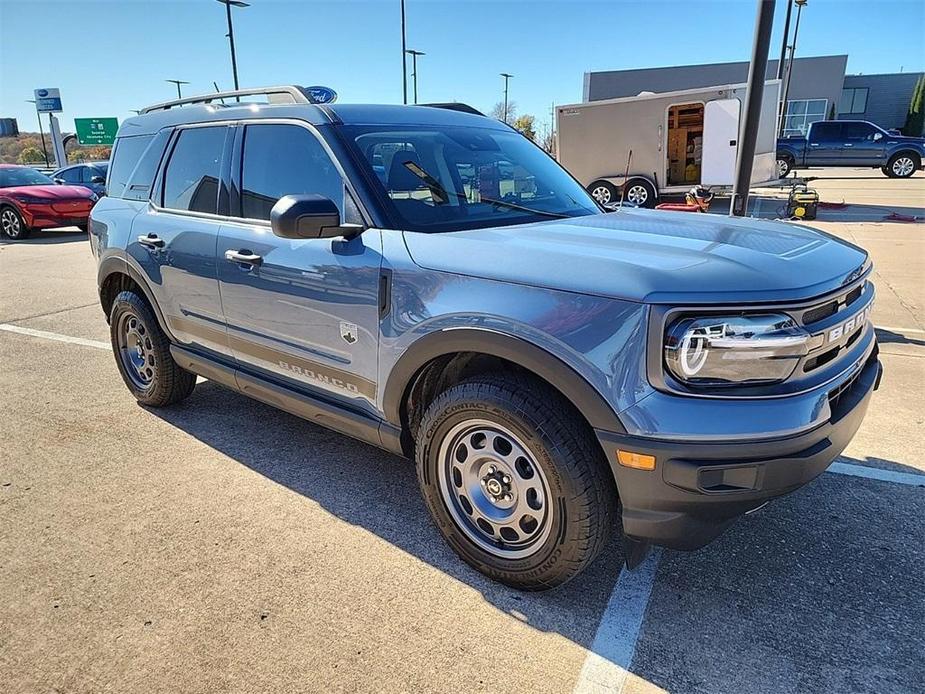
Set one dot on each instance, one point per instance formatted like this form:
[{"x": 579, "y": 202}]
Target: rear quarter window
[{"x": 134, "y": 164}]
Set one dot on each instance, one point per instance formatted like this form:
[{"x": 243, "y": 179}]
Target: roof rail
[{"x": 286, "y": 94}]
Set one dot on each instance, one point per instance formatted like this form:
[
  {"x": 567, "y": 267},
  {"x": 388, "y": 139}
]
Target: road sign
[
  {"x": 96, "y": 131},
  {"x": 48, "y": 100}
]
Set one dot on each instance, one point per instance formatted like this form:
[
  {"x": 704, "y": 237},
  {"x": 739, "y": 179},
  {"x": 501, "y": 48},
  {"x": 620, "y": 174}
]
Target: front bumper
[
  {"x": 47, "y": 216},
  {"x": 698, "y": 489}
]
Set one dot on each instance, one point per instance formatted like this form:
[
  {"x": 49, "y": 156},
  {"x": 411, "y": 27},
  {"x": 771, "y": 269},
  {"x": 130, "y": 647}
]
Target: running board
[{"x": 316, "y": 410}]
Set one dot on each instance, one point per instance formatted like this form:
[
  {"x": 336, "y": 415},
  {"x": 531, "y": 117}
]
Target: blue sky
[{"x": 116, "y": 54}]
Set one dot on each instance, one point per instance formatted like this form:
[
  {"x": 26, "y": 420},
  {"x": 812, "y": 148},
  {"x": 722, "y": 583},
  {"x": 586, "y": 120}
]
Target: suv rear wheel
[
  {"x": 142, "y": 353},
  {"x": 517, "y": 488}
]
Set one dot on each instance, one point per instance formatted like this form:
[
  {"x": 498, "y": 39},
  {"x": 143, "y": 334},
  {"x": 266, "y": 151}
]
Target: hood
[
  {"x": 651, "y": 256},
  {"x": 920, "y": 141},
  {"x": 49, "y": 192}
]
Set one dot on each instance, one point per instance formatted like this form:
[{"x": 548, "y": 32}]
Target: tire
[
  {"x": 509, "y": 446},
  {"x": 638, "y": 192},
  {"x": 604, "y": 192},
  {"x": 903, "y": 165},
  {"x": 142, "y": 352},
  {"x": 784, "y": 166},
  {"x": 12, "y": 224}
]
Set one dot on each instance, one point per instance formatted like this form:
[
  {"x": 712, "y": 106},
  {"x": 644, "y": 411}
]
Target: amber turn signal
[{"x": 640, "y": 461}]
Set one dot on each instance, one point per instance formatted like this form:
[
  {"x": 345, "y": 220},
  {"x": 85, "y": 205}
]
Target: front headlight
[{"x": 734, "y": 350}]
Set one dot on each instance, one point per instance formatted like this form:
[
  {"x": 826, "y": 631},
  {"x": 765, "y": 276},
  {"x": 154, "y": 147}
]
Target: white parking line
[
  {"x": 899, "y": 330},
  {"x": 54, "y": 336},
  {"x": 607, "y": 663},
  {"x": 874, "y": 473}
]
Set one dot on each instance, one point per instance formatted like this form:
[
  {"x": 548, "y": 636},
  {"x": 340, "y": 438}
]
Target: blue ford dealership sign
[
  {"x": 321, "y": 95},
  {"x": 48, "y": 100}
]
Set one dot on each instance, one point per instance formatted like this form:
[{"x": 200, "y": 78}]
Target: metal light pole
[
  {"x": 783, "y": 44},
  {"x": 178, "y": 83},
  {"x": 748, "y": 135},
  {"x": 404, "y": 60},
  {"x": 414, "y": 69},
  {"x": 234, "y": 60},
  {"x": 506, "y": 77},
  {"x": 41, "y": 132},
  {"x": 793, "y": 49}
]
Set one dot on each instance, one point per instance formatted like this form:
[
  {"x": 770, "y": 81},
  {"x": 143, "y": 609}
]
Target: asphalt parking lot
[{"x": 222, "y": 545}]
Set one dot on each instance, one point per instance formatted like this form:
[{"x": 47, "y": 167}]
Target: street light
[
  {"x": 41, "y": 132},
  {"x": 234, "y": 61},
  {"x": 414, "y": 69},
  {"x": 506, "y": 77},
  {"x": 793, "y": 49},
  {"x": 178, "y": 83},
  {"x": 404, "y": 60}
]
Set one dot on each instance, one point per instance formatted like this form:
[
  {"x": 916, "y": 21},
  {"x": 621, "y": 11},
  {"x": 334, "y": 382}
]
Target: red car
[{"x": 30, "y": 200}]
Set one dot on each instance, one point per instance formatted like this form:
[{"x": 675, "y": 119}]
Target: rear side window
[
  {"x": 191, "y": 180},
  {"x": 125, "y": 157},
  {"x": 71, "y": 175},
  {"x": 284, "y": 160},
  {"x": 825, "y": 132}
]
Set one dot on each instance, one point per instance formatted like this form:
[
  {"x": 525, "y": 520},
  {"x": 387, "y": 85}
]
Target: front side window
[
  {"x": 448, "y": 178},
  {"x": 284, "y": 160},
  {"x": 858, "y": 131},
  {"x": 192, "y": 177}
]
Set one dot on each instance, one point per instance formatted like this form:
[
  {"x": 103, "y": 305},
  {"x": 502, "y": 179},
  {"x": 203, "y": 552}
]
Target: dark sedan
[
  {"x": 31, "y": 200},
  {"x": 91, "y": 174}
]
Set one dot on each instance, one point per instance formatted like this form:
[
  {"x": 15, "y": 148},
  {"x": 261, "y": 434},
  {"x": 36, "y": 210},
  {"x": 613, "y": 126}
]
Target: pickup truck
[{"x": 854, "y": 143}]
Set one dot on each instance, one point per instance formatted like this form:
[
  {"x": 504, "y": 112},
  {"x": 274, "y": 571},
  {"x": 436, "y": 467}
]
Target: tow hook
[{"x": 634, "y": 551}]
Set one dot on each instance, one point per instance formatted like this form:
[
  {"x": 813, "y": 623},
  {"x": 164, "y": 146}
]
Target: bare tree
[{"x": 497, "y": 111}]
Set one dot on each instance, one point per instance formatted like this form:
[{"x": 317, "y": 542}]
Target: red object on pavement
[
  {"x": 40, "y": 202},
  {"x": 678, "y": 207}
]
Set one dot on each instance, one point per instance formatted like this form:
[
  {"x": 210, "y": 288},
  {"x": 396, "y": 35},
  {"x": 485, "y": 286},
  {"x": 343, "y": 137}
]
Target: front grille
[
  {"x": 838, "y": 394},
  {"x": 819, "y": 313}
]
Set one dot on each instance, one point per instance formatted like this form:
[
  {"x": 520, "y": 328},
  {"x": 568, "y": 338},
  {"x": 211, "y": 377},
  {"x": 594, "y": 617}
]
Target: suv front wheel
[
  {"x": 142, "y": 352},
  {"x": 517, "y": 486}
]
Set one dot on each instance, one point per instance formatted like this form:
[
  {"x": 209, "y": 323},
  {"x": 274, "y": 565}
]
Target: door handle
[
  {"x": 151, "y": 241},
  {"x": 848, "y": 144},
  {"x": 813, "y": 144},
  {"x": 243, "y": 256}
]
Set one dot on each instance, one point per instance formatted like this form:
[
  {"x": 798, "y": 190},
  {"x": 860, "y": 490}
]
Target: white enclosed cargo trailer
[{"x": 678, "y": 140}]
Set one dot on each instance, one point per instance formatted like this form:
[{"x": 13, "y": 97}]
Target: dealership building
[{"x": 819, "y": 89}]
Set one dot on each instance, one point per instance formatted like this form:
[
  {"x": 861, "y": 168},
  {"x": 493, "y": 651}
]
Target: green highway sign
[{"x": 96, "y": 131}]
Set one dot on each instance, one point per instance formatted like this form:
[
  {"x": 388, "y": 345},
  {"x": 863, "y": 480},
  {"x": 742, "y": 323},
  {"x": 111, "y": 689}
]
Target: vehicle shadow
[
  {"x": 734, "y": 597},
  {"x": 889, "y": 337},
  {"x": 775, "y": 207},
  {"x": 47, "y": 236},
  {"x": 373, "y": 489}
]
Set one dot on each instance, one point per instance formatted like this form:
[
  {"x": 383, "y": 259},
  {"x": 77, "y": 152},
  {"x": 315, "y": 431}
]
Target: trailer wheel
[
  {"x": 604, "y": 192},
  {"x": 638, "y": 192}
]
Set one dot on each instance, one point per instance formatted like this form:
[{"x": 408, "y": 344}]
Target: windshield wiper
[{"x": 441, "y": 195}]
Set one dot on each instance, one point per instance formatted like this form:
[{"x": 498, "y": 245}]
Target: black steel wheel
[{"x": 142, "y": 352}]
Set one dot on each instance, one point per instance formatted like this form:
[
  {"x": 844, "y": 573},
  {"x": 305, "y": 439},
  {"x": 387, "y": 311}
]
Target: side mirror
[
  {"x": 59, "y": 181},
  {"x": 878, "y": 136},
  {"x": 98, "y": 179},
  {"x": 309, "y": 217}
]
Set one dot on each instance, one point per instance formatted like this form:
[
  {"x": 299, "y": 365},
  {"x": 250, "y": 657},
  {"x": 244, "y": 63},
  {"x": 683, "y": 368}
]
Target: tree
[
  {"x": 31, "y": 155},
  {"x": 526, "y": 124},
  {"x": 915, "y": 118},
  {"x": 497, "y": 111}
]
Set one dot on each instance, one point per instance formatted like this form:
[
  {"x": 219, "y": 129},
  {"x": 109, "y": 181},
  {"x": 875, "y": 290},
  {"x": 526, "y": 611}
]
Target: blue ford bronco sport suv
[{"x": 427, "y": 280}]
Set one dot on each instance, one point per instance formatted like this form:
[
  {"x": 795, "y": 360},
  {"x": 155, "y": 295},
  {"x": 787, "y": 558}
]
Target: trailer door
[{"x": 720, "y": 142}]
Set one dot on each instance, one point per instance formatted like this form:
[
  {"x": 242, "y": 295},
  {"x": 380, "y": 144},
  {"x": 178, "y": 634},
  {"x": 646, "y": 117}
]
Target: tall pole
[
  {"x": 748, "y": 133},
  {"x": 41, "y": 132},
  {"x": 414, "y": 69},
  {"x": 506, "y": 77},
  {"x": 234, "y": 59},
  {"x": 404, "y": 60},
  {"x": 793, "y": 50},
  {"x": 783, "y": 43}
]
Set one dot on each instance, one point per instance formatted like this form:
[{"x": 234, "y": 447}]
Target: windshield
[
  {"x": 23, "y": 176},
  {"x": 438, "y": 178}
]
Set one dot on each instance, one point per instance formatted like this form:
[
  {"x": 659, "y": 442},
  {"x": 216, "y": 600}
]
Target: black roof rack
[{"x": 456, "y": 106}]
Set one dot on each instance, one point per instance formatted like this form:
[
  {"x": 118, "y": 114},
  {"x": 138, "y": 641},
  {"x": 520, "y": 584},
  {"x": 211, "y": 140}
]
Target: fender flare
[
  {"x": 588, "y": 401},
  {"x": 114, "y": 264}
]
